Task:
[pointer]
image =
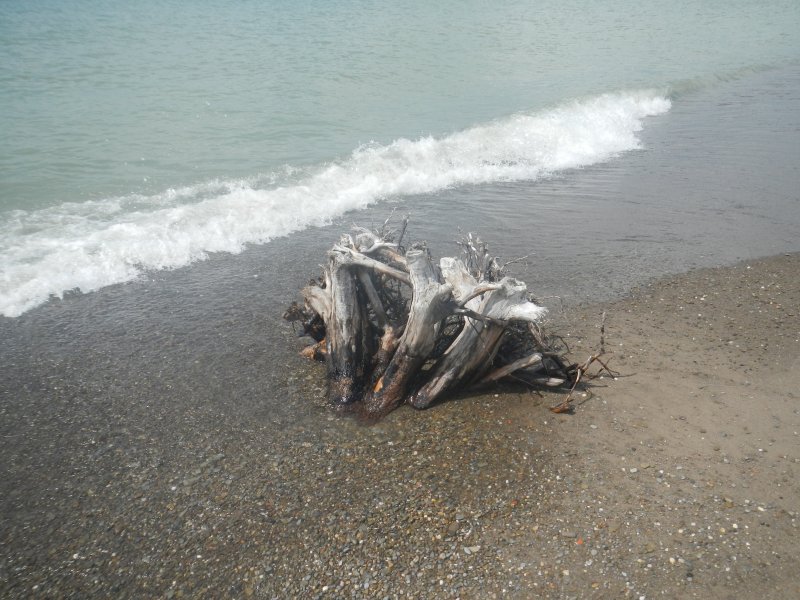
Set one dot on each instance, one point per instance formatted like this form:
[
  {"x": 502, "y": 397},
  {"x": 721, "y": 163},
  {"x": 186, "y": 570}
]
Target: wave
[
  {"x": 89, "y": 245},
  {"x": 684, "y": 87}
]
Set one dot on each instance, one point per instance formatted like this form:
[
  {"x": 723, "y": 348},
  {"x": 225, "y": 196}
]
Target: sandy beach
[
  {"x": 126, "y": 475},
  {"x": 174, "y": 173}
]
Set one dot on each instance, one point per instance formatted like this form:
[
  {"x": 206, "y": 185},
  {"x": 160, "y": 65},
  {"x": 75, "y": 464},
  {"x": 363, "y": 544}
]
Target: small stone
[{"x": 568, "y": 534}]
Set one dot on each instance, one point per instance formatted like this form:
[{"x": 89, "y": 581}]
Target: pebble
[
  {"x": 569, "y": 534},
  {"x": 272, "y": 508}
]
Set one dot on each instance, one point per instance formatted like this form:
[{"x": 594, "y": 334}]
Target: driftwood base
[{"x": 395, "y": 327}]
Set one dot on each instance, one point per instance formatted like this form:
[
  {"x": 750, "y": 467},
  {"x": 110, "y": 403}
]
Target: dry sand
[{"x": 678, "y": 479}]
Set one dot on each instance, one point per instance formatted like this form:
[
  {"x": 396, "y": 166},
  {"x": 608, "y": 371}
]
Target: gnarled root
[{"x": 394, "y": 327}]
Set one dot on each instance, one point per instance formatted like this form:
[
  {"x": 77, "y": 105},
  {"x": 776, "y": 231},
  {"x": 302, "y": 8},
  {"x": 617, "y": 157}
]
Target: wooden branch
[
  {"x": 356, "y": 258},
  {"x": 348, "y": 339},
  {"x": 522, "y": 363},
  {"x": 374, "y": 300},
  {"x": 430, "y": 304},
  {"x": 473, "y": 351},
  {"x": 319, "y": 300},
  {"x": 369, "y": 243},
  {"x": 479, "y": 291}
]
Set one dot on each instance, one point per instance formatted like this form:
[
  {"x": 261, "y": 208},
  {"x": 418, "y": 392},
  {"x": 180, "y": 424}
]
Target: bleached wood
[
  {"x": 430, "y": 304},
  {"x": 381, "y": 351}
]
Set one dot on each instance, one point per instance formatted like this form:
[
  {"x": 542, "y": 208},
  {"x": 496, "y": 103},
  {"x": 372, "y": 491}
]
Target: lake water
[{"x": 612, "y": 142}]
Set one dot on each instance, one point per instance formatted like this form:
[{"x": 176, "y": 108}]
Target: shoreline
[
  {"x": 138, "y": 477},
  {"x": 710, "y": 182}
]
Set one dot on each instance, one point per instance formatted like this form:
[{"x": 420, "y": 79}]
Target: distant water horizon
[{"x": 145, "y": 137}]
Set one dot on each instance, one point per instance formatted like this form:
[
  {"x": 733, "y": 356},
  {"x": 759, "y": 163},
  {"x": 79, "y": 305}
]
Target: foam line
[{"x": 89, "y": 245}]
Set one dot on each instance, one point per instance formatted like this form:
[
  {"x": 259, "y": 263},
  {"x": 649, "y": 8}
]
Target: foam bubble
[{"x": 90, "y": 245}]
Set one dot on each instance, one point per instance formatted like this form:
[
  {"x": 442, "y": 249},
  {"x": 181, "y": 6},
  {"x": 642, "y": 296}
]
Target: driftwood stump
[{"x": 394, "y": 327}]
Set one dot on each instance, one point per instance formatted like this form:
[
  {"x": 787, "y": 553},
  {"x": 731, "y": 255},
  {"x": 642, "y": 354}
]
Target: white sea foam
[{"x": 90, "y": 245}]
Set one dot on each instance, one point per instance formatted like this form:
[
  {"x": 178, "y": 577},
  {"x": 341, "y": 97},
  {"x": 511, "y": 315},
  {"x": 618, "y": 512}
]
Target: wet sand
[{"x": 136, "y": 466}]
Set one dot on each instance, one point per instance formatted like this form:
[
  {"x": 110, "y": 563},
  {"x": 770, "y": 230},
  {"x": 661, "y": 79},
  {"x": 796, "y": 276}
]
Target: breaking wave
[{"x": 88, "y": 245}]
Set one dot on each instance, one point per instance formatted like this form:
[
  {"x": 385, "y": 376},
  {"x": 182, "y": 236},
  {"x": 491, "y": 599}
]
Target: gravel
[{"x": 182, "y": 469}]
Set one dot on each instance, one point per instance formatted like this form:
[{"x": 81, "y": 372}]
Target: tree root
[{"x": 395, "y": 327}]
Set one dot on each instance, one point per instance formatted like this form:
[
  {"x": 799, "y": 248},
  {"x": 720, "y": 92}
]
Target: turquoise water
[{"x": 142, "y": 136}]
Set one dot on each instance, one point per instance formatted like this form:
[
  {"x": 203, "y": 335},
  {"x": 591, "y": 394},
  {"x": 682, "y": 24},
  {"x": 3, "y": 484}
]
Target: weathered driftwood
[{"x": 394, "y": 327}]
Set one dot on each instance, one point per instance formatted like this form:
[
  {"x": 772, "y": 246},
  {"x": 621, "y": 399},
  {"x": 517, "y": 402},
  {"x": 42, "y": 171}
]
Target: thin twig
[
  {"x": 515, "y": 260},
  {"x": 402, "y": 231},
  {"x": 603, "y": 334}
]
